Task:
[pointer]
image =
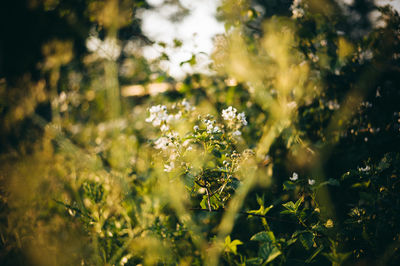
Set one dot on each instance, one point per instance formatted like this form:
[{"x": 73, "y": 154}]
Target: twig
[
  {"x": 208, "y": 200},
  {"x": 75, "y": 209}
]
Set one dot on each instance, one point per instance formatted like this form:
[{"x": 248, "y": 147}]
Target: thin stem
[{"x": 208, "y": 200}]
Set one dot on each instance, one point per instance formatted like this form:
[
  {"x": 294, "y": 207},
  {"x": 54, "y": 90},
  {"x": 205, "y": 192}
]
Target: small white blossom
[
  {"x": 297, "y": 11},
  {"x": 164, "y": 128},
  {"x": 210, "y": 126},
  {"x": 196, "y": 127},
  {"x": 173, "y": 135},
  {"x": 162, "y": 143},
  {"x": 216, "y": 129},
  {"x": 229, "y": 113},
  {"x": 311, "y": 182},
  {"x": 294, "y": 177},
  {"x": 170, "y": 118},
  {"x": 236, "y": 133},
  {"x": 187, "y": 105},
  {"x": 158, "y": 114},
  {"x": 169, "y": 167},
  {"x": 242, "y": 118},
  {"x": 178, "y": 115},
  {"x": 365, "y": 169},
  {"x": 173, "y": 155}
]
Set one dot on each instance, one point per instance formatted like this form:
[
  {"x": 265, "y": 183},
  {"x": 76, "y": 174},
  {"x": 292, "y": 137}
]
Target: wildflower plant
[{"x": 212, "y": 139}]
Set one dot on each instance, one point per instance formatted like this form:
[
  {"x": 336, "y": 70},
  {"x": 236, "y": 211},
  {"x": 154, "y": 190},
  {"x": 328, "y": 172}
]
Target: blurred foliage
[{"x": 285, "y": 153}]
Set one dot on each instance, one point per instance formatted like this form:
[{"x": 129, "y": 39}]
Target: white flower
[
  {"x": 311, "y": 182},
  {"x": 158, "y": 113},
  {"x": 164, "y": 128},
  {"x": 216, "y": 129},
  {"x": 178, "y": 115},
  {"x": 170, "y": 118},
  {"x": 242, "y": 118},
  {"x": 294, "y": 177},
  {"x": 189, "y": 148},
  {"x": 173, "y": 155},
  {"x": 195, "y": 128},
  {"x": 229, "y": 113},
  {"x": 162, "y": 143},
  {"x": 173, "y": 135},
  {"x": 187, "y": 105},
  {"x": 297, "y": 11},
  {"x": 210, "y": 126},
  {"x": 236, "y": 133},
  {"x": 365, "y": 169},
  {"x": 169, "y": 167}
]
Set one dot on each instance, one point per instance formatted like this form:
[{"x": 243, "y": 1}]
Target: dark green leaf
[{"x": 264, "y": 236}]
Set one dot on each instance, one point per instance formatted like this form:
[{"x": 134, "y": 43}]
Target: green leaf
[
  {"x": 262, "y": 210},
  {"x": 297, "y": 204},
  {"x": 216, "y": 153},
  {"x": 337, "y": 258},
  {"x": 289, "y": 205},
  {"x": 316, "y": 252},
  {"x": 264, "y": 236},
  {"x": 331, "y": 182},
  {"x": 362, "y": 184},
  {"x": 203, "y": 203},
  {"x": 289, "y": 185},
  {"x": 260, "y": 200},
  {"x": 253, "y": 261},
  {"x": 231, "y": 246},
  {"x": 290, "y": 241},
  {"x": 269, "y": 252},
  {"x": 307, "y": 240}
]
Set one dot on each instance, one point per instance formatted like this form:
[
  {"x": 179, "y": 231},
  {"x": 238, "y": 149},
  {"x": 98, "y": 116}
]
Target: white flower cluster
[
  {"x": 235, "y": 120},
  {"x": 230, "y": 114},
  {"x": 297, "y": 11},
  {"x": 210, "y": 126},
  {"x": 173, "y": 147},
  {"x": 187, "y": 106},
  {"x": 170, "y": 143},
  {"x": 159, "y": 117}
]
